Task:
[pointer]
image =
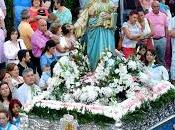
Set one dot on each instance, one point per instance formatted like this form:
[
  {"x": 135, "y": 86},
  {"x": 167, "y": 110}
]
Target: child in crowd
[
  {"x": 45, "y": 77},
  {"x": 4, "y": 121},
  {"x": 14, "y": 108},
  {"x": 140, "y": 52}
]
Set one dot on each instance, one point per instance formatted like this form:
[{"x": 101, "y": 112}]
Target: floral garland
[{"x": 114, "y": 112}]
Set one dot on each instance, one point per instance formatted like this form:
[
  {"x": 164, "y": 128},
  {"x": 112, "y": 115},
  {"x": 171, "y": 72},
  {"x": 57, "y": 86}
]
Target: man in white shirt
[{"x": 29, "y": 89}]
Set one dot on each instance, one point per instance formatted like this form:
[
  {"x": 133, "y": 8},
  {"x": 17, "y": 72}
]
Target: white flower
[
  {"x": 116, "y": 71},
  {"x": 107, "y": 91},
  {"x": 132, "y": 65},
  {"x": 64, "y": 59},
  {"x": 92, "y": 95},
  {"x": 67, "y": 98},
  {"x": 109, "y": 54},
  {"x": 112, "y": 85},
  {"x": 77, "y": 94},
  {"x": 83, "y": 97},
  {"x": 123, "y": 70},
  {"x": 67, "y": 83},
  {"x": 75, "y": 52},
  {"x": 119, "y": 89},
  {"x": 111, "y": 62},
  {"x": 104, "y": 101},
  {"x": 77, "y": 84},
  {"x": 127, "y": 79}
]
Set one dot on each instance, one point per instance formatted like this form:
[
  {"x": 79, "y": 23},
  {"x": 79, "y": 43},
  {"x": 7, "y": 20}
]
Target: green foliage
[
  {"x": 70, "y": 4},
  {"x": 9, "y": 16},
  {"x": 140, "y": 113},
  {"x": 59, "y": 91},
  {"x": 82, "y": 118},
  {"x": 163, "y": 100}
]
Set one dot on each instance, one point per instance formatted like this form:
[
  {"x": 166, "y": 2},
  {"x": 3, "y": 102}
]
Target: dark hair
[
  {"x": 40, "y": 3},
  {"x": 22, "y": 54},
  {"x": 25, "y": 14},
  {"x": 140, "y": 10},
  {"x": 140, "y": 46},
  {"x": 2, "y": 74},
  {"x": 133, "y": 12},
  {"x": 11, "y": 106},
  {"x": 9, "y": 96},
  {"x": 64, "y": 28},
  {"x": 52, "y": 66},
  {"x": 10, "y": 67},
  {"x": 12, "y": 31},
  {"x": 49, "y": 44},
  {"x": 62, "y": 2},
  {"x": 153, "y": 52}
]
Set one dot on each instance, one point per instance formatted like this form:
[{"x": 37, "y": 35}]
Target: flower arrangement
[
  {"x": 114, "y": 88},
  {"x": 112, "y": 76}
]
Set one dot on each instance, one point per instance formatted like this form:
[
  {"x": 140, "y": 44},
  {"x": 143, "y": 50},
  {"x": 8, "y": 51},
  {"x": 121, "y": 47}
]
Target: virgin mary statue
[{"x": 97, "y": 22}]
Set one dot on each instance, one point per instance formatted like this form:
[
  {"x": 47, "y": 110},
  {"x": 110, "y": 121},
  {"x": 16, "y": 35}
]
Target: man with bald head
[
  {"x": 38, "y": 40},
  {"x": 159, "y": 23}
]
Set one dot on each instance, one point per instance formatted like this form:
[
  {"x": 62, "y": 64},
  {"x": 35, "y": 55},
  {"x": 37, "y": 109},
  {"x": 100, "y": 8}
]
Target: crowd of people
[
  {"x": 44, "y": 31},
  {"x": 150, "y": 30}
]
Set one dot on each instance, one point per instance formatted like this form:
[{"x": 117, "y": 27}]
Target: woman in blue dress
[{"x": 97, "y": 22}]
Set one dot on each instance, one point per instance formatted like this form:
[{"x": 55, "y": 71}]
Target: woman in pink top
[{"x": 37, "y": 12}]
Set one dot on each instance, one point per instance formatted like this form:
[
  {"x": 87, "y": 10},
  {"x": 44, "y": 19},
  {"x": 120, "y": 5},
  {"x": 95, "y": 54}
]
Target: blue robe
[
  {"x": 99, "y": 40},
  {"x": 100, "y": 34}
]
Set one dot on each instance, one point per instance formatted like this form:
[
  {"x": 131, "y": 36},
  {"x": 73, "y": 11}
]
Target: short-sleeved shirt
[
  {"x": 158, "y": 72},
  {"x": 11, "y": 50},
  {"x": 26, "y": 32},
  {"x": 158, "y": 23},
  {"x": 38, "y": 42},
  {"x": 46, "y": 60},
  {"x": 134, "y": 30},
  {"x": 64, "y": 17}
]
